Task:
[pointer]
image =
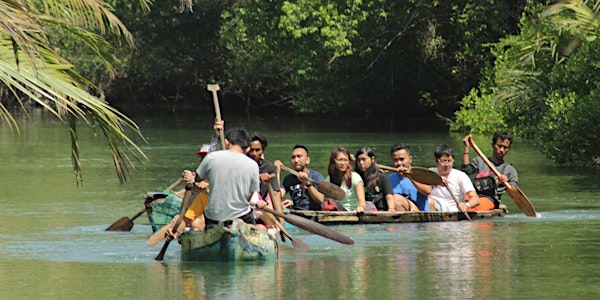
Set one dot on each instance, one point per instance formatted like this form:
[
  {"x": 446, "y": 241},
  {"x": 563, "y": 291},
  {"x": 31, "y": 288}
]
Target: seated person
[
  {"x": 487, "y": 185},
  {"x": 463, "y": 195},
  {"x": 402, "y": 158},
  {"x": 304, "y": 196}
]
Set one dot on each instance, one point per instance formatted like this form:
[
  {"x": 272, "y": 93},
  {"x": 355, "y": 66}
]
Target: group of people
[{"x": 240, "y": 181}]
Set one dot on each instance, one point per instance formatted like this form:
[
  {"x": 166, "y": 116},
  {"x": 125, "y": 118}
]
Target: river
[{"x": 53, "y": 244}]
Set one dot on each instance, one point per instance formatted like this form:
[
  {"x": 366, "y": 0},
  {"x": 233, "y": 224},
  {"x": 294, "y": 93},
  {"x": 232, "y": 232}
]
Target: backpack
[{"x": 485, "y": 186}]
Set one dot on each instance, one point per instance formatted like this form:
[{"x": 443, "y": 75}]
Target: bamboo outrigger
[{"x": 351, "y": 217}]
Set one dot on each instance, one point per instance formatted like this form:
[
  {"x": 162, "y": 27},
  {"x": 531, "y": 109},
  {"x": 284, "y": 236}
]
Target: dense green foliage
[
  {"x": 477, "y": 65},
  {"x": 544, "y": 84},
  {"x": 362, "y": 58}
]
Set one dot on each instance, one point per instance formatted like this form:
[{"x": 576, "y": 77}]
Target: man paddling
[
  {"x": 490, "y": 188},
  {"x": 233, "y": 178},
  {"x": 304, "y": 195},
  {"x": 256, "y": 151}
]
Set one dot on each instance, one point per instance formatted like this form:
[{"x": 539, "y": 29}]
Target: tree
[
  {"x": 383, "y": 56},
  {"x": 544, "y": 82},
  {"x": 31, "y": 69}
]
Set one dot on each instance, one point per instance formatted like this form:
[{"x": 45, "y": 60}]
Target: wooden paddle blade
[
  {"x": 122, "y": 224},
  {"x": 330, "y": 190},
  {"x": 425, "y": 176},
  {"x": 319, "y": 229},
  {"x": 418, "y": 174},
  {"x": 313, "y": 227},
  {"x": 125, "y": 223},
  {"x": 299, "y": 244},
  {"x": 162, "y": 252},
  {"x": 157, "y": 236},
  {"x": 521, "y": 201}
]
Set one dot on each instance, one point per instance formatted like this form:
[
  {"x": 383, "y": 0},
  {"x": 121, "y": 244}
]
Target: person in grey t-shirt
[{"x": 233, "y": 178}]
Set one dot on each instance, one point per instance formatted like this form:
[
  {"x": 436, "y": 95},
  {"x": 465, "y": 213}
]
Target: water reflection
[{"x": 54, "y": 245}]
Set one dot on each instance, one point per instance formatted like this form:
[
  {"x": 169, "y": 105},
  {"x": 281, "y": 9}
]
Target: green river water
[{"x": 53, "y": 244}]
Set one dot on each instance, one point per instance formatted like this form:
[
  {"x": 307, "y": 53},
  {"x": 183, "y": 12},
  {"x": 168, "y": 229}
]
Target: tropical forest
[{"x": 528, "y": 67}]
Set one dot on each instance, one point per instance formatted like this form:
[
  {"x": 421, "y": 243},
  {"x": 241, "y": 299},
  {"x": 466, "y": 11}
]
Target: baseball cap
[{"x": 203, "y": 150}]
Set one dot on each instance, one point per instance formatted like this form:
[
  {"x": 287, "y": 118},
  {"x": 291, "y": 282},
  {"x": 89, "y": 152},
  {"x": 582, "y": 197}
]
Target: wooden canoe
[
  {"x": 350, "y": 217},
  {"x": 236, "y": 242},
  {"x": 161, "y": 208}
]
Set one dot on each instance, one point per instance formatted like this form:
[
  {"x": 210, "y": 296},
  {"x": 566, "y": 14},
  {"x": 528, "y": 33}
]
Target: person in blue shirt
[{"x": 402, "y": 157}]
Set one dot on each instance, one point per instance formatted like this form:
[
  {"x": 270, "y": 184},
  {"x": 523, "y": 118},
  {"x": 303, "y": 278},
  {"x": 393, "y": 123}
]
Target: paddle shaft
[
  {"x": 125, "y": 223},
  {"x": 297, "y": 243},
  {"x": 456, "y": 201},
  {"x": 313, "y": 227},
  {"x": 185, "y": 204},
  {"x": 387, "y": 168},
  {"x": 488, "y": 162},
  {"x": 214, "y": 88},
  {"x": 139, "y": 213},
  {"x": 326, "y": 188},
  {"x": 275, "y": 198},
  {"x": 294, "y": 172}
]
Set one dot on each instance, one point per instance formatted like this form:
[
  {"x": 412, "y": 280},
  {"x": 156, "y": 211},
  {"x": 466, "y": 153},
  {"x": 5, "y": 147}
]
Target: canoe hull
[
  {"x": 238, "y": 242},
  {"x": 350, "y": 217}
]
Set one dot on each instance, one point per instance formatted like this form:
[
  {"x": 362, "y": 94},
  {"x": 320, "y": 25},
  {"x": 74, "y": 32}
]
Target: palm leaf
[{"x": 31, "y": 70}]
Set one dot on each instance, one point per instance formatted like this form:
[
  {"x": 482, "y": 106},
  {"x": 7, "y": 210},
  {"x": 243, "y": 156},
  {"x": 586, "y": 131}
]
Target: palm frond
[
  {"x": 57, "y": 88},
  {"x": 84, "y": 13}
]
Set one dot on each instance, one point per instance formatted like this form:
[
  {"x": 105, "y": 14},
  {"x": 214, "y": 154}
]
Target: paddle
[
  {"x": 214, "y": 88},
  {"x": 125, "y": 223},
  {"x": 418, "y": 174},
  {"x": 313, "y": 227},
  {"x": 517, "y": 196},
  {"x": 326, "y": 188},
  {"x": 297, "y": 243},
  {"x": 185, "y": 204},
  {"x": 455, "y": 200}
]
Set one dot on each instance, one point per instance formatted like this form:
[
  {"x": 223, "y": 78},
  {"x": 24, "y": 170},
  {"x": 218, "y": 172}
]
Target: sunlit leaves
[
  {"x": 547, "y": 81},
  {"x": 31, "y": 70}
]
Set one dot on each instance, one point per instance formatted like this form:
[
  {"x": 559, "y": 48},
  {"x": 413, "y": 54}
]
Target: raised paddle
[
  {"x": 185, "y": 204},
  {"x": 326, "y": 188},
  {"x": 313, "y": 227},
  {"x": 517, "y": 196},
  {"x": 418, "y": 174},
  {"x": 125, "y": 223},
  {"x": 214, "y": 88},
  {"x": 297, "y": 243}
]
